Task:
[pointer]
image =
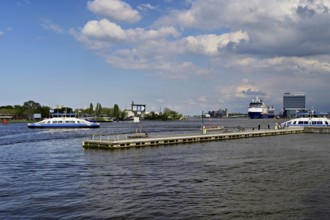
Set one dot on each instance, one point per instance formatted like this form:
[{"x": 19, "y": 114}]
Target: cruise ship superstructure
[{"x": 258, "y": 109}]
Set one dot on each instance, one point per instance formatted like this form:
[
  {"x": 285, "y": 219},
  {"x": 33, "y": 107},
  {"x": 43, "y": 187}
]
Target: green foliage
[
  {"x": 44, "y": 111},
  {"x": 6, "y": 107},
  {"x": 116, "y": 112},
  {"x": 98, "y": 109},
  {"x": 91, "y": 109},
  {"x": 29, "y": 108},
  {"x": 123, "y": 115},
  {"x": 31, "y": 105},
  {"x": 167, "y": 114},
  {"x": 25, "y": 111}
]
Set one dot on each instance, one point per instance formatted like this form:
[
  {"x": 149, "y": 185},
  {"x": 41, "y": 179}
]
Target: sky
[{"x": 187, "y": 55}]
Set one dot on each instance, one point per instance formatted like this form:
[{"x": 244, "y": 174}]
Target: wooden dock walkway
[{"x": 107, "y": 142}]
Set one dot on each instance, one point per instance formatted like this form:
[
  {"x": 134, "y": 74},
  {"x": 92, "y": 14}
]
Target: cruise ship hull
[
  {"x": 257, "y": 115},
  {"x": 258, "y": 109}
]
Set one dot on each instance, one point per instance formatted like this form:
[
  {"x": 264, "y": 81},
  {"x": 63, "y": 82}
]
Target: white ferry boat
[
  {"x": 63, "y": 122},
  {"x": 307, "y": 122}
]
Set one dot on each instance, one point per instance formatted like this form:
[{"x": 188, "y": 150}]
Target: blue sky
[{"x": 188, "y": 55}]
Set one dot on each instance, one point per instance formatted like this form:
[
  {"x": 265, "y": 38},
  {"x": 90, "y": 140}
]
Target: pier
[
  {"x": 128, "y": 141},
  {"x": 319, "y": 130}
]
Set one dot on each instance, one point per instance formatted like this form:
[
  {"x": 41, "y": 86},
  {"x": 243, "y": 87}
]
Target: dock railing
[{"x": 118, "y": 137}]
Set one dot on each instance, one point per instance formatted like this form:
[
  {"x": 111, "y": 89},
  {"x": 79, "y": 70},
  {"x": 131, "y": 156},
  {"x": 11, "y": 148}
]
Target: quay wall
[{"x": 320, "y": 130}]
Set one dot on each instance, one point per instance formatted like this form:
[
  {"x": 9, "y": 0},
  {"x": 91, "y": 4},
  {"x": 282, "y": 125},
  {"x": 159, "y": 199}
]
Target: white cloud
[
  {"x": 202, "y": 99},
  {"x": 211, "y": 44},
  {"x": 244, "y": 90},
  {"x": 103, "y": 29},
  {"x": 143, "y": 7},
  {"x": 142, "y": 34},
  {"x": 272, "y": 46},
  {"x": 189, "y": 102},
  {"x": 160, "y": 68},
  {"x": 115, "y": 9},
  {"x": 2, "y": 33},
  {"x": 91, "y": 43},
  {"x": 278, "y": 28},
  {"x": 212, "y": 14},
  {"x": 51, "y": 26},
  {"x": 107, "y": 30},
  {"x": 284, "y": 65}
]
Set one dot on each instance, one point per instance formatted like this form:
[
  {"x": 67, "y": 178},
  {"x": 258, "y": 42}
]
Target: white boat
[
  {"x": 257, "y": 109},
  {"x": 63, "y": 122},
  {"x": 271, "y": 111},
  {"x": 307, "y": 122}
]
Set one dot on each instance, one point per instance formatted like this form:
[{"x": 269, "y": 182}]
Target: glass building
[{"x": 293, "y": 102}]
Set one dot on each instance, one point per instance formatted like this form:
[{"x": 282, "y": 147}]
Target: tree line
[
  {"x": 29, "y": 108},
  {"x": 167, "y": 114}
]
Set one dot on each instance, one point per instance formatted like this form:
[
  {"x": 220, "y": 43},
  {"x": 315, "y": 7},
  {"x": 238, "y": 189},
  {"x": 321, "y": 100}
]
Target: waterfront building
[
  {"x": 221, "y": 113},
  {"x": 293, "y": 103},
  {"x": 5, "y": 116}
]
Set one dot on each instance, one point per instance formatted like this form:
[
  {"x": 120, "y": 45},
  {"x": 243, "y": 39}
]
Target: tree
[
  {"x": 18, "y": 112},
  {"x": 167, "y": 114},
  {"x": 31, "y": 105},
  {"x": 91, "y": 109},
  {"x": 7, "y": 107},
  {"x": 116, "y": 111},
  {"x": 123, "y": 114},
  {"x": 44, "y": 110},
  {"x": 98, "y": 109}
]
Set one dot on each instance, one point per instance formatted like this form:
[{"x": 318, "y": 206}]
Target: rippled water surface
[{"x": 47, "y": 174}]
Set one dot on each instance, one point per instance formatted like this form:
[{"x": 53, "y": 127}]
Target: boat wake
[{"x": 42, "y": 135}]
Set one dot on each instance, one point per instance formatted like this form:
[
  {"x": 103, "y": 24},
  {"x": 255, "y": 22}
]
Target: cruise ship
[{"x": 258, "y": 109}]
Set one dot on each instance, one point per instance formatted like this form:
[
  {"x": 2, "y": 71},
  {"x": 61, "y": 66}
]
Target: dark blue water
[{"x": 47, "y": 174}]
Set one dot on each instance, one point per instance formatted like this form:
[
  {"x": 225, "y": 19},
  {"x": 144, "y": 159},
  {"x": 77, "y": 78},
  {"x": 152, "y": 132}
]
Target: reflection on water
[{"x": 47, "y": 174}]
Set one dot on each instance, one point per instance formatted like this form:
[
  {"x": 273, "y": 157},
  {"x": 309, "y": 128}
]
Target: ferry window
[
  {"x": 313, "y": 122},
  {"x": 300, "y": 122},
  {"x": 54, "y": 122},
  {"x": 48, "y": 122},
  {"x": 295, "y": 122},
  {"x": 67, "y": 122},
  {"x": 326, "y": 122},
  {"x": 306, "y": 122},
  {"x": 319, "y": 122},
  {"x": 289, "y": 123},
  {"x": 60, "y": 122}
]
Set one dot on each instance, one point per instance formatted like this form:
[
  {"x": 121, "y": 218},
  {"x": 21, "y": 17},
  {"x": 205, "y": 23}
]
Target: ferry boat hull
[
  {"x": 63, "y": 123},
  {"x": 33, "y": 125},
  {"x": 307, "y": 122}
]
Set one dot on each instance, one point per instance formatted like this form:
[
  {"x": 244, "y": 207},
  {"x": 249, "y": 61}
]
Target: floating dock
[{"x": 120, "y": 142}]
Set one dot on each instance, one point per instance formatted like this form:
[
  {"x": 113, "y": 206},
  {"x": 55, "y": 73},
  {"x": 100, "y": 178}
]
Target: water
[{"x": 47, "y": 174}]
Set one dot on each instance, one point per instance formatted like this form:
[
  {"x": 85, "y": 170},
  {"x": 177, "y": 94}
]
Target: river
[{"x": 48, "y": 174}]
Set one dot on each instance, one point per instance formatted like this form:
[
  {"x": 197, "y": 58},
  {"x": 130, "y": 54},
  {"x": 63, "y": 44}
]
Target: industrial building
[{"x": 293, "y": 103}]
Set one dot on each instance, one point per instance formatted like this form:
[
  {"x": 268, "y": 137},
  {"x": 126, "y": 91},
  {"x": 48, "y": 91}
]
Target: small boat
[
  {"x": 307, "y": 122},
  {"x": 63, "y": 122}
]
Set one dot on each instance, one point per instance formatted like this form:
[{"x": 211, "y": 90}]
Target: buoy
[{"x": 4, "y": 121}]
